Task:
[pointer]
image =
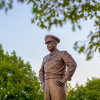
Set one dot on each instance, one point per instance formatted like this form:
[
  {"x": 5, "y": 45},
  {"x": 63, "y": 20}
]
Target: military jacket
[{"x": 59, "y": 64}]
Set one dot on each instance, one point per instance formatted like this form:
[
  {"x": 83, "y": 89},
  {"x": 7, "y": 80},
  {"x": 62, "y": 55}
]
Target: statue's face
[{"x": 51, "y": 45}]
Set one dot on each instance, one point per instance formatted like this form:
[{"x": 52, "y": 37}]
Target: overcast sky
[{"x": 17, "y": 33}]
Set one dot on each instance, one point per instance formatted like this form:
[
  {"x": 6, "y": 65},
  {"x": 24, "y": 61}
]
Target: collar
[{"x": 54, "y": 53}]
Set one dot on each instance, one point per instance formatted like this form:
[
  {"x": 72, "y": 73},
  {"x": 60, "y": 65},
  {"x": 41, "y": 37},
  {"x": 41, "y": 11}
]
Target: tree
[
  {"x": 47, "y": 13},
  {"x": 91, "y": 91},
  {"x": 17, "y": 80}
]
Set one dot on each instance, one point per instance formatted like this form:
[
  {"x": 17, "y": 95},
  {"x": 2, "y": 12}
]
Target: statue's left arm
[{"x": 71, "y": 65}]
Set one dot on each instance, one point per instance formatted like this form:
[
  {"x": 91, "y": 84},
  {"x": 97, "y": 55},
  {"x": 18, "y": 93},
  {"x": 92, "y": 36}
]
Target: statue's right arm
[{"x": 41, "y": 75}]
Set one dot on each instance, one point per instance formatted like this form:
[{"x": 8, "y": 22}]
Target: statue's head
[{"x": 51, "y": 41}]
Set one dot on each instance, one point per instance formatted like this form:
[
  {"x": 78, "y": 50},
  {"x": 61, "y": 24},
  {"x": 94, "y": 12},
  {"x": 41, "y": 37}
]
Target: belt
[{"x": 53, "y": 77}]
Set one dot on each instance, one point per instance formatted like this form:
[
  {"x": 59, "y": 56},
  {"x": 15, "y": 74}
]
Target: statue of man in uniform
[{"x": 53, "y": 73}]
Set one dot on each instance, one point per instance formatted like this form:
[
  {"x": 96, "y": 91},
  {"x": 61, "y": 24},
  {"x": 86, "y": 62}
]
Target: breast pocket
[
  {"x": 57, "y": 63},
  {"x": 56, "y": 59}
]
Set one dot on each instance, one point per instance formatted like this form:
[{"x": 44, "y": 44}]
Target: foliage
[
  {"x": 91, "y": 91},
  {"x": 47, "y": 13},
  {"x": 17, "y": 80}
]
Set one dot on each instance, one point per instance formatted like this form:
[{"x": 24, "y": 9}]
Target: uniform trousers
[{"x": 54, "y": 92}]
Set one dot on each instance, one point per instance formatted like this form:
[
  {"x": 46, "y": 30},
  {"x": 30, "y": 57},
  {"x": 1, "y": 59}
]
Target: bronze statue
[{"x": 53, "y": 74}]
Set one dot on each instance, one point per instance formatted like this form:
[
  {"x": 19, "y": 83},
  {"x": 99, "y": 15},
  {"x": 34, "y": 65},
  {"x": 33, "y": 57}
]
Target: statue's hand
[
  {"x": 43, "y": 85},
  {"x": 61, "y": 82}
]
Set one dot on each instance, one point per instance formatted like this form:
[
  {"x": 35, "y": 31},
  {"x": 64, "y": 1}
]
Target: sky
[{"x": 17, "y": 33}]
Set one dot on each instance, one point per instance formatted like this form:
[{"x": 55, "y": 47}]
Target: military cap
[{"x": 51, "y": 38}]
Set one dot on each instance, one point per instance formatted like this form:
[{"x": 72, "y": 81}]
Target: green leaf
[
  {"x": 81, "y": 49},
  {"x": 73, "y": 27},
  {"x": 60, "y": 22},
  {"x": 79, "y": 26},
  {"x": 10, "y": 5},
  {"x": 99, "y": 50},
  {"x": 32, "y": 21},
  {"x": 88, "y": 57}
]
